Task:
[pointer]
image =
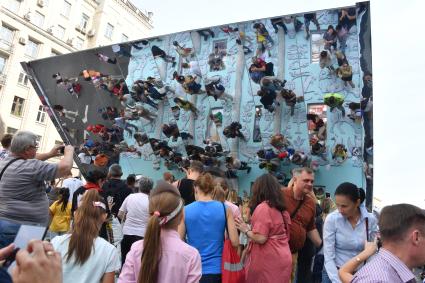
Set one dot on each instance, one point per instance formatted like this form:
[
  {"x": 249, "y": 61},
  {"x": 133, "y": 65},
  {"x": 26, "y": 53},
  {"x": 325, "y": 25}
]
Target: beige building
[{"x": 33, "y": 29}]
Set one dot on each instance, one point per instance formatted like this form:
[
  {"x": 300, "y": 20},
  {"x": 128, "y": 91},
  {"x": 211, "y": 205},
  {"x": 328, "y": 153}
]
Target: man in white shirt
[{"x": 72, "y": 184}]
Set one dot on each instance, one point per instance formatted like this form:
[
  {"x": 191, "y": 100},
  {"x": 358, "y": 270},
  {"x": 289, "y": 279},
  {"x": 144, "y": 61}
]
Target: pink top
[
  {"x": 235, "y": 212},
  {"x": 234, "y": 208},
  {"x": 180, "y": 263}
]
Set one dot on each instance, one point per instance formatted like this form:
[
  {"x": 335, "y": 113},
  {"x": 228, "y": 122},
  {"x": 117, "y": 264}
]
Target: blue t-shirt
[{"x": 205, "y": 221}]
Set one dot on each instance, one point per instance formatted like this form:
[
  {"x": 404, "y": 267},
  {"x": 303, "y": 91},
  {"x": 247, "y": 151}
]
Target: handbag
[
  {"x": 116, "y": 230},
  {"x": 232, "y": 270}
]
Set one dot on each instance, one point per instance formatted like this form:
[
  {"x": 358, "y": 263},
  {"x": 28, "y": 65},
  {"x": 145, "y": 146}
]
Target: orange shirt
[{"x": 305, "y": 214}]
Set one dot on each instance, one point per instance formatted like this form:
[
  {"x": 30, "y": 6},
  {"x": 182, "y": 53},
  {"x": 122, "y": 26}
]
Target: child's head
[{"x": 63, "y": 193}]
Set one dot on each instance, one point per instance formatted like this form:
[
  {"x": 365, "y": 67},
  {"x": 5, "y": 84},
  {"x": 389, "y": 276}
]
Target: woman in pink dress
[{"x": 269, "y": 258}]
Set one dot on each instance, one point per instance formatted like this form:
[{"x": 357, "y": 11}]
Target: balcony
[{"x": 6, "y": 46}]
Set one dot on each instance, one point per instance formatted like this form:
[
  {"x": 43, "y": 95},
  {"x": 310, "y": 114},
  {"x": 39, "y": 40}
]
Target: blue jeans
[
  {"x": 325, "y": 277},
  {"x": 8, "y": 231}
]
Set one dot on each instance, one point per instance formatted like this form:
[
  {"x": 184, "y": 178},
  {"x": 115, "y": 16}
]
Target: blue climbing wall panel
[{"x": 295, "y": 59}]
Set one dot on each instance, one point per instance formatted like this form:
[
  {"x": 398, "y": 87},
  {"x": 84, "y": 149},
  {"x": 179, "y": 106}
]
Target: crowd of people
[{"x": 108, "y": 229}]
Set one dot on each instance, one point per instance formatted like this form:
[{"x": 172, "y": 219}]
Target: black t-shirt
[
  {"x": 156, "y": 51},
  {"x": 187, "y": 191},
  {"x": 117, "y": 189},
  {"x": 268, "y": 98},
  {"x": 345, "y": 21}
]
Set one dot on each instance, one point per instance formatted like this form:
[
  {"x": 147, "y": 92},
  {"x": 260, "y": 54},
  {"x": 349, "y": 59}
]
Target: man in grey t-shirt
[{"x": 22, "y": 186}]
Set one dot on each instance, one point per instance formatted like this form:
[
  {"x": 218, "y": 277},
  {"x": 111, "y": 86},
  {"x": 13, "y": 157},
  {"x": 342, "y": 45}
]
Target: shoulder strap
[
  {"x": 296, "y": 209},
  {"x": 367, "y": 228},
  {"x": 7, "y": 165},
  {"x": 225, "y": 221}
]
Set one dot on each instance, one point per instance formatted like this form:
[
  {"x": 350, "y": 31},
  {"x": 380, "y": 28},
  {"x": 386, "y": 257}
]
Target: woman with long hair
[
  {"x": 86, "y": 257},
  {"x": 269, "y": 258},
  {"x": 135, "y": 213},
  {"x": 204, "y": 225},
  {"x": 346, "y": 230},
  {"x": 60, "y": 211},
  {"x": 162, "y": 257}
]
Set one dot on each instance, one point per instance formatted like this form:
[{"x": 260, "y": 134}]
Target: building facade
[{"x": 35, "y": 29}]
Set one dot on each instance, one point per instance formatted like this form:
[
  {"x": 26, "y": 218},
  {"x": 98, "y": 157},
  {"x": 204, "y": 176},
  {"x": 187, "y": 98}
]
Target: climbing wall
[{"x": 223, "y": 55}]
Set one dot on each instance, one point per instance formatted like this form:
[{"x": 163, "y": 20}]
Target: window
[
  {"x": 41, "y": 114},
  {"x": 23, "y": 79},
  {"x": 31, "y": 49},
  {"x": 213, "y": 131},
  {"x": 216, "y": 57},
  {"x": 257, "y": 130},
  {"x": 17, "y": 106},
  {"x": 6, "y": 37},
  {"x": 221, "y": 44},
  {"x": 38, "y": 19},
  {"x": 54, "y": 53},
  {"x": 11, "y": 130},
  {"x": 317, "y": 45},
  {"x": 12, "y": 5},
  {"x": 79, "y": 43},
  {"x": 60, "y": 32},
  {"x": 66, "y": 9},
  {"x": 109, "y": 30},
  {"x": 316, "y": 123},
  {"x": 124, "y": 38},
  {"x": 2, "y": 63},
  {"x": 84, "y": 21}
]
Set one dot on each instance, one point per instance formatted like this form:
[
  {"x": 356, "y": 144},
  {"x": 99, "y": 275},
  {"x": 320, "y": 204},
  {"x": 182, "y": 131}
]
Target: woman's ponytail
[
  {"x": 165, "y": 208},
  {"x": 151, "y": 251}
]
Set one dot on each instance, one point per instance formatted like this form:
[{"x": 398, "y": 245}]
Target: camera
[{"x": 62, "y": 149}]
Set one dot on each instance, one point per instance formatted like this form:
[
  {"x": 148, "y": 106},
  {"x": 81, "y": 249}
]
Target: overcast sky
[{"x": 398, "y": 45}]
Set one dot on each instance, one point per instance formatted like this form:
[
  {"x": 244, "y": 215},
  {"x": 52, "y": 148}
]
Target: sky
[{"x": 398, "y": 75}]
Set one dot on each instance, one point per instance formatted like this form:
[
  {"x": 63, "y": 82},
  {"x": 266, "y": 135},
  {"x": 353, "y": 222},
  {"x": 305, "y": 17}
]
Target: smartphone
[{"x": 25, "y": 234}]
